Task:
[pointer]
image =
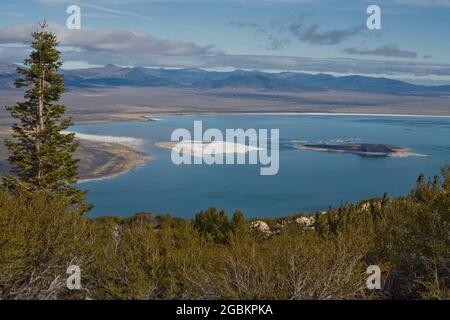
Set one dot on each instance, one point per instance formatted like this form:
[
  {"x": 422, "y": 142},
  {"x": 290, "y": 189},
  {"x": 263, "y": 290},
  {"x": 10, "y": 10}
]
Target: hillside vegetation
[{"x": 215, "y": 257}]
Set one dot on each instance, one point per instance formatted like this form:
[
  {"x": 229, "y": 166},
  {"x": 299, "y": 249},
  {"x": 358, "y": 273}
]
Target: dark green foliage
[
  {"x": 215, "y": 225},
  {"x": 238, "y": 224},
  {"x": 417, "y": 242},
  {"x": 215, "y": 257},
  {"x": 41, "y": 154},
  {"x": 40, "y": 236}
]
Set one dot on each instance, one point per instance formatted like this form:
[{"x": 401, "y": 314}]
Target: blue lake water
[{"x": 307, "y": 180}]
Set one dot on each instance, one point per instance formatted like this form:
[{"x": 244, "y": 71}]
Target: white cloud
[
  {"x": 112, "y": 40},
  {"x": 390, "y": 50}
]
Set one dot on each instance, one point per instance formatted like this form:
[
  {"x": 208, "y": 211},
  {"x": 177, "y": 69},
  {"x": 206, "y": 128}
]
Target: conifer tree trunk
[{"x": 40, "y": 125}]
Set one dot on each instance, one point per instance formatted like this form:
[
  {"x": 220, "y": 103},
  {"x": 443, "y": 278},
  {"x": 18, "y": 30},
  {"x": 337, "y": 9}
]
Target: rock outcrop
[
  {"x": 305, "y": 221},
  {"x": 260, "y": 226}
]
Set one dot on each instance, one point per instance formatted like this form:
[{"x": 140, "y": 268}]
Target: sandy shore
[
  {"x": 104, "y": 157},
  {"x": 101, "y": 157},
  {"x": 102, "y": 160}
]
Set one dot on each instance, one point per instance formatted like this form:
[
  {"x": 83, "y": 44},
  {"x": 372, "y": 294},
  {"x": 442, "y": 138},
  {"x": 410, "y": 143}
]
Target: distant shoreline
[
  {"x": 348, "y": 114},
  {"x": 295, "y": 114},
  {"x": 161, "y": 116}
]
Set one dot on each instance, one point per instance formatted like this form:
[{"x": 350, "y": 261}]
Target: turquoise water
[{"x": 307, "y": 181}]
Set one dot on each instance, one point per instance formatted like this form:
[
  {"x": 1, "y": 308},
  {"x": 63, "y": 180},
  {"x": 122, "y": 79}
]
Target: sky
[{"x": 328, "y": 36}]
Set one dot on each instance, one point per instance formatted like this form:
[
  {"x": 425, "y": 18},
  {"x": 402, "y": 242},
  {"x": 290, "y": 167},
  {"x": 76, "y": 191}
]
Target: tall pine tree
[{"x": 41, "y": 154}]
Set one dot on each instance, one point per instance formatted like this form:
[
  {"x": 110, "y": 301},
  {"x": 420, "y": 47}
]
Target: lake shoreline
[
  {"x": 100, "y": 158},
  {"x": 119, "y": 160},
  {"x": 106, "y": 157},
  {"x": 159, "y": 116}
]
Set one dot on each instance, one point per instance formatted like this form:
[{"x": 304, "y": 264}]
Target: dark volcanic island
[{"x": 365, "y": 149}]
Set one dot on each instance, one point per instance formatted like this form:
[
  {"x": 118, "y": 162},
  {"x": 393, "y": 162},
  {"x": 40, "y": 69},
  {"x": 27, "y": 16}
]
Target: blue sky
[{"x": 297, "y": 35}]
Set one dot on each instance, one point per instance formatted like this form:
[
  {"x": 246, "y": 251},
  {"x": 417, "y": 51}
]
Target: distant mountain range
[{"x": 111, "y": 76}]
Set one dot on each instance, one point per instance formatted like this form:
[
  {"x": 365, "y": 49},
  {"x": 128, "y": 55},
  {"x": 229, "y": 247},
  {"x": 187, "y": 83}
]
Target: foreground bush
[{"x": 39, "y": 238}]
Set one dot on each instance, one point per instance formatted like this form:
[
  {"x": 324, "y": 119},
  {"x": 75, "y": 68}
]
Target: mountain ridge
[{"x": 113, "y": 76}]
